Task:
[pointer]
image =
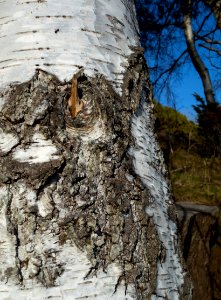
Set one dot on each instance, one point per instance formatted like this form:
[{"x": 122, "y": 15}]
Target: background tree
[
  {"x": 209, "y": 127},
  {"x": 85, "y": 206},
  {"x": 215, "y": 6},
  {"x": 177, "y": 32}
]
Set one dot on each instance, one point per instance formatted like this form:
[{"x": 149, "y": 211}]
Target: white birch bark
[
  {"x": 61, "y": 37},
  {"x": 86, "y": 212}
]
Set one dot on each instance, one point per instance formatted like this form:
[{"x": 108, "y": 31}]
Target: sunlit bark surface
[
  {"x": 85, "y": 205},
  {"x": 63, "y": 37}
]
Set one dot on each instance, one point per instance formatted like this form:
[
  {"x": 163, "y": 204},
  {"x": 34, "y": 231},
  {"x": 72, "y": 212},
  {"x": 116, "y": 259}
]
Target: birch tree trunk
[{"x": 86, "y": 211}]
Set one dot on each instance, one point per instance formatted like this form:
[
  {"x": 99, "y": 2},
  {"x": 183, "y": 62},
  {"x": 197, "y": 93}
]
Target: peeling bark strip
[
  {"x": 149, "y": 165},
  {"x": 81, "y": 191},
  {"x": 75, "y": 104}
]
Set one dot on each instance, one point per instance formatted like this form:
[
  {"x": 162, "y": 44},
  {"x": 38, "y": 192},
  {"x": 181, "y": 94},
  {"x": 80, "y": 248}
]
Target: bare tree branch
[
  {"x": 204, "y": 21},
  {"x": 171, "y": 67},
  {"x": 215, "y": 6},
  {"x": 209, "y": 41},
  {"x": 211, "y": 48}
]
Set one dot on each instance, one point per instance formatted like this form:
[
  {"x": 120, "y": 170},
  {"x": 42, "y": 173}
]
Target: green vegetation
[{"x": 194, "y": 170}]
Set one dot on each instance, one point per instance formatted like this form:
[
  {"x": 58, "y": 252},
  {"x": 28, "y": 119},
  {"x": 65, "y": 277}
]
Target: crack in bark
[{"x": 17, "y": 259}]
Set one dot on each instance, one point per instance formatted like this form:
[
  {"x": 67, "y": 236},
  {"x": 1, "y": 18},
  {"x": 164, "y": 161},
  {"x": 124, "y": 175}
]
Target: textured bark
[
  {"x": 201, "y": 235},
  {"x": 86, "y": 210}
]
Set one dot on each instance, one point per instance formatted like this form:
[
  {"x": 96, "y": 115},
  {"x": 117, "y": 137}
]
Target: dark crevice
[
  {"x": 78, "y": 179},
  {"x": 53, "y": 178},
  {"x": 18, "y": 262},
  {"x": 188, "y": 238},
  {"x": 87, "y": 206},
  {"x": 130, "y": 85},
  {"x": 91, "y": 271},
  {"x": 120, "y": 279}
]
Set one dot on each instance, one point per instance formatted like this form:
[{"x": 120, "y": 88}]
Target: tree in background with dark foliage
[{"x": 177, "y": 32}]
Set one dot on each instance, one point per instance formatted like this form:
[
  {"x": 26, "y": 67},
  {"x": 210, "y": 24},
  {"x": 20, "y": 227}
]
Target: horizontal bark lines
[{"x": 80, "y": 34}]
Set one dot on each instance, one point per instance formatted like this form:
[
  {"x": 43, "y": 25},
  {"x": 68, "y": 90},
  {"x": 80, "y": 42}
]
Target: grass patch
[{"x": 193, "y": 178}]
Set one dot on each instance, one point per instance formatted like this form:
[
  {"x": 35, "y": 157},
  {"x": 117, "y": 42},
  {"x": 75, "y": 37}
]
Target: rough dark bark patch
[
  {"x": 200, "y": 228},
  {"x": 103, "y": 201}
]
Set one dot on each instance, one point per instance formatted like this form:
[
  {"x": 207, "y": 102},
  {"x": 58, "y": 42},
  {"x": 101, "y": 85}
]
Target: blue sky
[{"x": 184, "y": 89}]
